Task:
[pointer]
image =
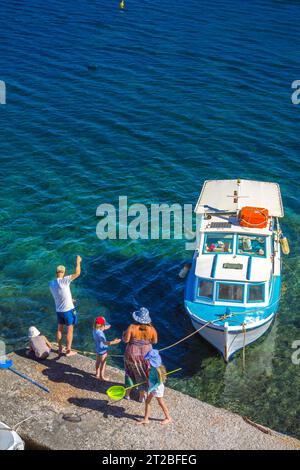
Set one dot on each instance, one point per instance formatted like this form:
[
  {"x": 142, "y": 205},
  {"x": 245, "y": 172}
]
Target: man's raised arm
[{"x": 78, "y": 268}]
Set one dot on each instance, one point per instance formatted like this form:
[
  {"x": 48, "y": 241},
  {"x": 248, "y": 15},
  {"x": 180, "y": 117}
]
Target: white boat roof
[
  {"x": 218, "y": 196},
  {"x": 261, "y": 268}
]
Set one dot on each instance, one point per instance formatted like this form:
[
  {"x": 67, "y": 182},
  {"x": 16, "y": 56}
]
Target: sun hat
[
  {"x": 142, "y": 316},
  {"x": 153, "y": 357},
  {"x": 33, "y": 332},
  {"x": 60, "y": 269}
]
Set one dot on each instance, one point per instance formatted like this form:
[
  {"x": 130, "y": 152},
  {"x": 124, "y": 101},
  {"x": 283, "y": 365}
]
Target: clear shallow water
[{"x": 176, "y": 93}]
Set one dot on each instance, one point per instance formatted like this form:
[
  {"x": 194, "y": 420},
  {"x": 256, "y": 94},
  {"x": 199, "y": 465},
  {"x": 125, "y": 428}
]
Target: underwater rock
[{"x": 92, "y": 66}]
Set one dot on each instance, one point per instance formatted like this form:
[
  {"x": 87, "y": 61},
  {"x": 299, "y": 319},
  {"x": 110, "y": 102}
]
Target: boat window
[
  {"x": 233, "y": 292},
  {"x": 218, "y": 243},
  {"x": 252, "y": 245},
  {"x": 205, "y": 289},
  {"x": 256, "y": 293}
]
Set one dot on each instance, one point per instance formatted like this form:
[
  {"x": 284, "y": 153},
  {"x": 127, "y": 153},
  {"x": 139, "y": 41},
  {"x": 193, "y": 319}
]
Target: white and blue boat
[{"x": 233, "y": 286}]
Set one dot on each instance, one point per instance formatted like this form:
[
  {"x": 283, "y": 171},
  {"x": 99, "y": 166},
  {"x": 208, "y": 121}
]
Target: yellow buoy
[
  {"x": 122, "y": 4},
  {"x": 285, "y": 245}
]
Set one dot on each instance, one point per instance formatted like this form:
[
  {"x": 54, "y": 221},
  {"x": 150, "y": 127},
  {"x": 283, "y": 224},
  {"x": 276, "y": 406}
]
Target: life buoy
[{"x": 253, "y": 217}]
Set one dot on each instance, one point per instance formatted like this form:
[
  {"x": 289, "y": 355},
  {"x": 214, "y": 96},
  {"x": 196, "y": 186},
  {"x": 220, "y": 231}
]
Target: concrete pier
[{"x": 77, "y": 414}]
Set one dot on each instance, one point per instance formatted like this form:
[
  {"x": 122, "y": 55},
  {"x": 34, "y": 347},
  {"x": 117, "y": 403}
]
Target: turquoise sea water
[{"x": 147, "y": 102}]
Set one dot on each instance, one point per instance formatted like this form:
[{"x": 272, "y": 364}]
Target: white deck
[
  {"x": 261, "y": 269},
  {"x": 218, "y": 196}
]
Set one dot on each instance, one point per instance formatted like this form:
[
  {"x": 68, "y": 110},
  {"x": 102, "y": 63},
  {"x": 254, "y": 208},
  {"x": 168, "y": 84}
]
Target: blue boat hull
[{"x": 242, "y": 325}]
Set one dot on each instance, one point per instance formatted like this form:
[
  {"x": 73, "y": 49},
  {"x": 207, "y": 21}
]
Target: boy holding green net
[{"x": 156, "y": 379}]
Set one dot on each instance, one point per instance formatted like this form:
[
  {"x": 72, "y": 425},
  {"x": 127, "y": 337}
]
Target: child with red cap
[{"x": 101, "y": 346}]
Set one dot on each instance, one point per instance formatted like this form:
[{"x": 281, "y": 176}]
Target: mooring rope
[
  {"x": 244, "y": 346},
  {"x": 15, "y": 427},
  {"x": 196, "y": 331},
  {"x": 223, "y": 317}
]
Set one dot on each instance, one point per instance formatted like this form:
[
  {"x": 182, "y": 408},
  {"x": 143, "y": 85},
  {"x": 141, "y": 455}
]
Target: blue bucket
[{"x": 7, "y": 364}]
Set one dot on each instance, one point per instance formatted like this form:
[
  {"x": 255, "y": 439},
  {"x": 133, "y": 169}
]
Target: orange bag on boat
[{"x": 254, "y": 217}]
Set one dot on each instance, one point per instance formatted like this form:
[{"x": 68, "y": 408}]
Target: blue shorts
[{"x": 67, "y": 318}]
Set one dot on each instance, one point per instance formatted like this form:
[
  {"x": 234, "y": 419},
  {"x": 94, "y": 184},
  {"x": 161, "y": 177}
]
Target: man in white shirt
[{"x": 65, "y": 310}]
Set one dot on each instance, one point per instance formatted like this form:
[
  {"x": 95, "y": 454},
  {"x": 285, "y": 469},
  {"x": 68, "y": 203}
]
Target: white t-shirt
[{"x": 60, "y": 289}]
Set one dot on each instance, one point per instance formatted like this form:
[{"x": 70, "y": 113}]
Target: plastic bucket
[{"x": 9, "y": 440}]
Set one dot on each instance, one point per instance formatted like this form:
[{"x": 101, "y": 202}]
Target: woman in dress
[{"x": 139, "y": 337}]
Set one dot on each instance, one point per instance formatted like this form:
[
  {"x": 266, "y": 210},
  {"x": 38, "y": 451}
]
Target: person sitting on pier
[
  {"x": 65, "y": 309},
  {"x": 38, "y": 344}
]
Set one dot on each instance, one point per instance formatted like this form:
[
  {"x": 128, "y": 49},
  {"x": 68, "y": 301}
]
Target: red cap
[{"x": 100, "y": 321}]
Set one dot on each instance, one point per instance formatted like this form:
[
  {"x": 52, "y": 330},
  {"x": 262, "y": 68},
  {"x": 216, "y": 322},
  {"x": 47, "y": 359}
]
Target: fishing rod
[{"x": 8, "y": 366}]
